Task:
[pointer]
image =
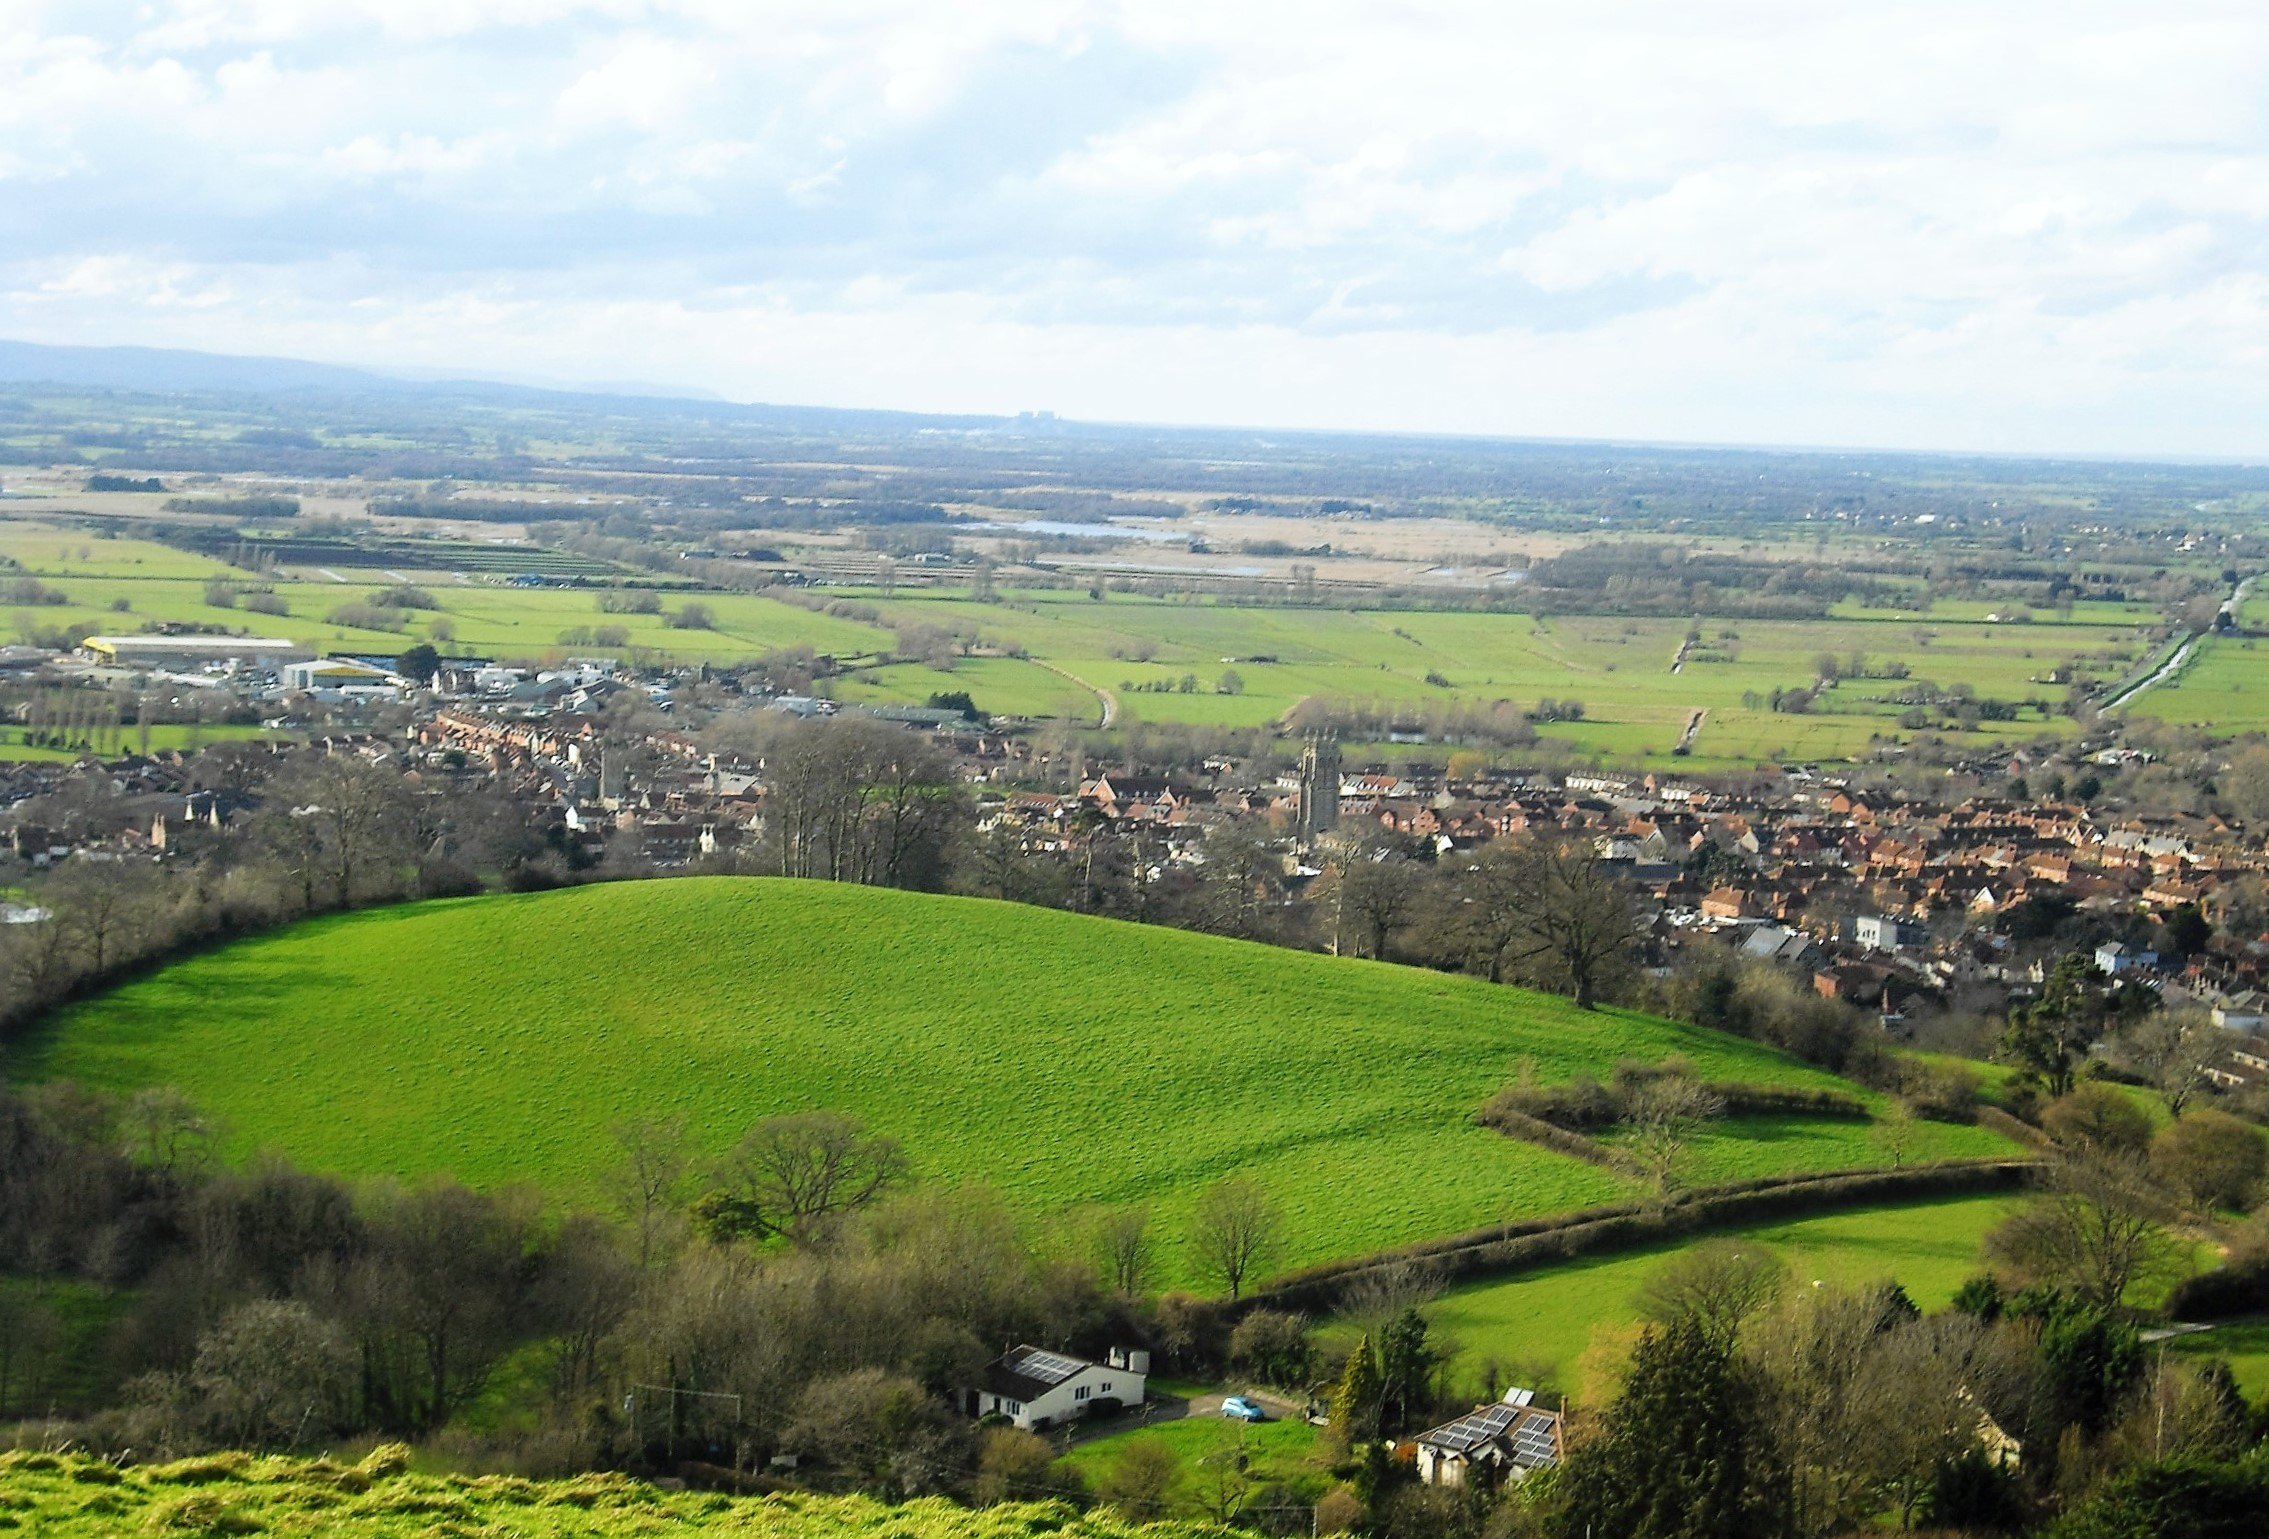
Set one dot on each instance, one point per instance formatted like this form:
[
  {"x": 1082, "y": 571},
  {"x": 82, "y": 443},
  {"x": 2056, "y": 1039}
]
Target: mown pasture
[
  {"x": 1214, "y": 1450},
  {"x": 1564, "y": 1327},
  {"x": 1061, "y": 1059},
  {"x": 2224, "y": 688},
  {"x": 69, "y": 1496},
  {"x": 1069, "y": 645}
]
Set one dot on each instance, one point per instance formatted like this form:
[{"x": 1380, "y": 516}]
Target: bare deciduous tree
[
  {"x": 1123, "y": 1243},
  {"x": 1235, "y": 1227},
  {"x": 1719, "y": 1283},
  {"x": 1380, "y": 887},
  {"x": 273, "y": 1375},
  {"x": 800, "y": 1171},
  {"x": 2175, "y": 1048},
  {"x": 1664, "y": 1110},
  {"x": 337, "y": 824},
  {"x": 649, "y": 1179},
  {"x": 166, "y": 1133},
  {"x": 853, "y": 801},
  {"x": 2098, "y": 1230},
  {"x": 1544, "y": 908}
]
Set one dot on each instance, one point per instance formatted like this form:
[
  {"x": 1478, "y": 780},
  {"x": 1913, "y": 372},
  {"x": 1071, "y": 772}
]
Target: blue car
[{"x": 1238, "y": 1408}]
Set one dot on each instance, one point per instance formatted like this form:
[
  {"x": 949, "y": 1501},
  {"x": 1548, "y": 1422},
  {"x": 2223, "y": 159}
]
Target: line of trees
[
  {"x": 307, "y": 832},
  {"x": 799, "y": 1294}
]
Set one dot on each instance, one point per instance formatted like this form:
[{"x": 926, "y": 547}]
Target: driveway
[
  {"x": 1152, "y": 1412},
  {"x": 1164, "y": 1408}
]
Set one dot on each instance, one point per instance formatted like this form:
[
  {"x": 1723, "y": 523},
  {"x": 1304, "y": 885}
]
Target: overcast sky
[{"x": 2002, "y": 225}]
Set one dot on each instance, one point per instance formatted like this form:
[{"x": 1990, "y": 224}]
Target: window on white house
[
  {"x": 1106, "y": 1386},
  {"x": 1079, "y": 1393}
]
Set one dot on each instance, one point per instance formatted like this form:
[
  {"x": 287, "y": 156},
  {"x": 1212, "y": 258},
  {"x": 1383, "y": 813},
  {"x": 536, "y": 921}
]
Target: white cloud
[{"x": 2029, "y": 225}]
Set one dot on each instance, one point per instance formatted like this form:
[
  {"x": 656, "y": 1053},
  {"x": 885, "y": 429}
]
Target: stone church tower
[{"x": 1319, "y": 788}]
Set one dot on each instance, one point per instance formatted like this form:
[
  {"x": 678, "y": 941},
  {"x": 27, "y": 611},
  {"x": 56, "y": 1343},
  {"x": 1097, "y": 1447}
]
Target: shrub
[
  {"x": 30, "y": 590},
  {"x": 2098, "y": 1116},
  {"x": 266, "y": 604},
  {"x": 403, "y": 596},
  {"x": 2212, "y": 1158},
  {"x": 366, "y": 617},
  {"x": 2240, "y": 1286},
  {"x": 693, "y": 617},
  {"x": 1945, "y": 1093},
  {"x": 1273, "y": 1346}
]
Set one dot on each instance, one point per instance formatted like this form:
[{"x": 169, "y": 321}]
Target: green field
[
  {"x": 1542, "y": 1324},
  {"x": 2224, "y": 687},
  {"x": 1129, "y": 645},
  {"x": 1620, "y": 669},
  {"x": 1275, "y": 1452},
  {"x": 1059, "y": 1058},
  {"x": 157, "y": 583},
  {"x": 71, "y": 1497},
  {"x": 14, "y": 742},
  {"x": 2244, "y": 1342}
]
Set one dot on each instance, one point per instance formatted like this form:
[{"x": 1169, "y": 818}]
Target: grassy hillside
[
  {"x": 68, "y": 1497},
  {"x": 1061, "y": 1058}
]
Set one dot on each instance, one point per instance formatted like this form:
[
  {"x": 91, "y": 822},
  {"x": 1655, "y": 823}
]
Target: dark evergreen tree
[
  {"x": 1355, "y": 1408},
  {"x": 1406, "y": 1370},
  {"x": 1684, "y": 1453}
]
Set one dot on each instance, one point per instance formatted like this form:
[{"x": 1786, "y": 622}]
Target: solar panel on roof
[
  {"x": 1532, "y": 1441},
  {"x": 1047, "y": 1366},
  {"x": 1472, "y": 1430}
]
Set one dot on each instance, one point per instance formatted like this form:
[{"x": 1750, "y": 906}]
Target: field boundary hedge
[
  {"x": 2001, "y": 1122},
  {"x": 2240, "y": 1287},
  {"x": 1550, "y": 1135},
  {"x": 1743, "y": 1099},
  {"x": 1506, "y": 1249}
]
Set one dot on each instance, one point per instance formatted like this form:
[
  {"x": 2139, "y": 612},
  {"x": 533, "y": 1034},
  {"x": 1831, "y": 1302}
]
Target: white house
[
  {"x": 1037, "y": 1389},
  {"x": 2115, "y": 958},
  {"x": 1492, "y": 1443},
  {"x": 1886, "y": 932}
]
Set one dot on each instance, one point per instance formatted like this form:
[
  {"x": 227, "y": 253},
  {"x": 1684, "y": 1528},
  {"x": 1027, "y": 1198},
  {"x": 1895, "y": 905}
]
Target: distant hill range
[{"x": 162, "y": 370}]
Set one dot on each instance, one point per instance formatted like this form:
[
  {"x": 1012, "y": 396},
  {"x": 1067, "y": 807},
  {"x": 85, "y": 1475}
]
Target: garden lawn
[
  {"x": 1275, "y": 1452},
  {"x": 1059, "y": 1058}
]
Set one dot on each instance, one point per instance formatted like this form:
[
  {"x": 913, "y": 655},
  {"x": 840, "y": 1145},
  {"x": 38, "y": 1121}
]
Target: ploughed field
[{"x": 1062, "y": 1059}]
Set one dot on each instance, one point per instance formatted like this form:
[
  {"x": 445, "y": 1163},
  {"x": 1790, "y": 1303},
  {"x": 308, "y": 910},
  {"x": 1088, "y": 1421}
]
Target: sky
[{"x": 2024, "y": 226}]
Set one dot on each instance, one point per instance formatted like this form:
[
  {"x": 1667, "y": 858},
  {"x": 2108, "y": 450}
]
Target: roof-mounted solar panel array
[
  {"x": 1048, "y": 1367},
  {"x": 1533, "y": 1443}
]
